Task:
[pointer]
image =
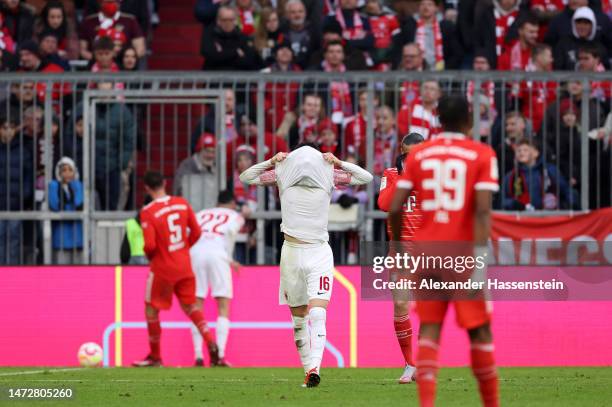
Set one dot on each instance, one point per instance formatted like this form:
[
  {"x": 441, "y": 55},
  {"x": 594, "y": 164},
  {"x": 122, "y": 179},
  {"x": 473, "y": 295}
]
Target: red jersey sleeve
[
  {"x": 387, "y": 189},
  {"x": 148, "y": 231},
  {"x": 487, "y": 177},
  {"x": 194, "y": 229},
  {"x": 407, "y": 179}
]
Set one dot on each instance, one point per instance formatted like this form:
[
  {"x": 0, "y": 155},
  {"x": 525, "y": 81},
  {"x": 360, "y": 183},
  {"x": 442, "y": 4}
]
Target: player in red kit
[
  {"x": 454, "y": 178},
  {"x": 411, "y": 219},
  {"x": 170, "y": 228}
]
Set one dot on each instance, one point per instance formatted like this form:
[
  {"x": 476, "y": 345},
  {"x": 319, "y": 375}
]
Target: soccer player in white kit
[
  {"x": 305, "y": 179},
  {"x": 212, "y": 263}
]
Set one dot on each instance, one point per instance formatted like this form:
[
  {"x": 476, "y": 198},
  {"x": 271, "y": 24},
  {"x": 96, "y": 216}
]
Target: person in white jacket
[{"x": 305, "y": 179}]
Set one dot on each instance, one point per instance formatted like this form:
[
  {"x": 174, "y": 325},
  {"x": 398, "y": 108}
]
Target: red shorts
[
  {"x": 469, "y": 314},
  {"x": 159, "y": 291}
]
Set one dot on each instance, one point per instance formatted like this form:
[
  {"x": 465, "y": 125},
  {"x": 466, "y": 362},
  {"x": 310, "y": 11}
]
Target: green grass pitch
[{"x": 523, "y": 387}]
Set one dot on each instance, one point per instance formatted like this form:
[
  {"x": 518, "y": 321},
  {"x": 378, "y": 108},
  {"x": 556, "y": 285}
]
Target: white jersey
[
  {"x": 305, "y": 182},
  {"x": 219, "y": 226}
]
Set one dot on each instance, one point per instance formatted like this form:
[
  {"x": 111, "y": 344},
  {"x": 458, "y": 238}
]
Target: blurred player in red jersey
[
  {"x": 454, "y": 178},
  {"x": 170, "y": 228},
  {"x": 410, "y": 221},
  {"x": 212, "y": 262}
]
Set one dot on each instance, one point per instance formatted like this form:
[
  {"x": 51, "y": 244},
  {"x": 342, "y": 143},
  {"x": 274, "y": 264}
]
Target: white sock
[
  {"x": 222, "y": 331},
  {"x": 302, "y": 340},
  {"x": 317, "y": 336},
  {"x": 198, "y": 341}
]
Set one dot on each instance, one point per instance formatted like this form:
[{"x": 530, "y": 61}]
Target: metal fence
[{"x": 116, "y": 126}]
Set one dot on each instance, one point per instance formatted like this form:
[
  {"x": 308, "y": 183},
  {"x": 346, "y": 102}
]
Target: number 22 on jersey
[{"x": 212, "y": 223}]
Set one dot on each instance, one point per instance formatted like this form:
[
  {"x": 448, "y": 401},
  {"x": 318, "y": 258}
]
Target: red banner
[{"x": 583, "y": 239}]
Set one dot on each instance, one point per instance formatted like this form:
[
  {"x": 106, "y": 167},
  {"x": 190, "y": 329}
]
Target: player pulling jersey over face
[{"x": 305, "y": 179}]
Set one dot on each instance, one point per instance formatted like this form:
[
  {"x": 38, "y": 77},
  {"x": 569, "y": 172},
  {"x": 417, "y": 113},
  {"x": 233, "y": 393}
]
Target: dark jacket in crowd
[
  {"x": 19, "y": 23},
  {"x": 561, "y": 26},
  {"x": 115, "y": 137},
  {"x": 535, "y": 185},
  {"x": 354, "y": 60},
  {"x": 364, "y": 44},
  {"x": 303, "y": 43},
  {"x": 220, "y": 51},
  {"x": 17, "y": 176}
]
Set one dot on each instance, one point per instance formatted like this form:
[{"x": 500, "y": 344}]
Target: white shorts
[
  {"x": 214, "y": 272},
  {"x": 306, "y": 273}
]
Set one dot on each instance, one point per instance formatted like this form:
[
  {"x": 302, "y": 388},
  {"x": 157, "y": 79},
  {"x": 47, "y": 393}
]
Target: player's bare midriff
[{"x": 292, "y": 239}]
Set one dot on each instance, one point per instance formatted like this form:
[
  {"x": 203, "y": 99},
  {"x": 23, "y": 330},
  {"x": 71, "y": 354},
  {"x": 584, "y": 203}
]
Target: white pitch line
[{"x": 28, "y": 372}]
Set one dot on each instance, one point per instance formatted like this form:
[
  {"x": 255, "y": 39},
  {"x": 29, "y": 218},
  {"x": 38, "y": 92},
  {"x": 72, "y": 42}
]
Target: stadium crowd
[{"x": 536, "y": 127}]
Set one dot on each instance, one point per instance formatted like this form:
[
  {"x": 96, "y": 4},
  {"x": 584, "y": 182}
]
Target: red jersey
[
  {"x": 411, "y": 214},
  {"x": 384, "y": 27},
  {"x": 170, "y": 228},
  {"x": 445, "y": 173},
  {"x": 535, "y": 98},
  {"x": 355, "y": 136}
]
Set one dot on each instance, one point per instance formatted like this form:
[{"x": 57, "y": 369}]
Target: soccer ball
[{"x": 90, "y": 354}]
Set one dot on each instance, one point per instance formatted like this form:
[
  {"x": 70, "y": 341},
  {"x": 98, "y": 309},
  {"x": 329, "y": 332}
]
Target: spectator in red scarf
[
  {"x": 589, "y": 60},
  {"x": 310, "y": 122},
  {"x": 437, "y": 39},
  {"x": 385, "y": 142},
  {"x": 386, "y": 30},
  {"x": 487, "y": 88},
  {"x": 495, "y": 27},
  {"x": 18, "y": 20},
  {"x": 225, "y": 47},
  {"x": 328, "y": 140},
  {"x": 412, "y": 60},
  {"x": 49, "y": 50},
  {"x": 421, "y": 117},
  {"x": 30, "y": 59},
  {"x": 280, "y": 97},
  {"x": 535, "y": 96},
  {"x": 300, "y": 32},
  {"x": 53, "y": 19},
  {"x": 356, "y": 126},
  {"x": 338, "y": 91},
  {"x": 354, "y": 58},
  {"x": 356, "y": 30},
  {"x": 104, "y": 56},
  {"x": 268, "y": 35},
  {"x": 110, "y": 22},
  {"x": 517, "y": 55}
]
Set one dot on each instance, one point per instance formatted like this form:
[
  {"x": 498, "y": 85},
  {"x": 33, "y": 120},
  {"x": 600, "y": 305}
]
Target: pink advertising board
[{"x": 48, "y": 312}]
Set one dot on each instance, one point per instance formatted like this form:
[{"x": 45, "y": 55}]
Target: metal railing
[{"x": 160, "y": 117}]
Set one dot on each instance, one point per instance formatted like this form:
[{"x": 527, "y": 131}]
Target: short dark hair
[
  {"x": 539, "y": 48},
  {"x": 226, "y": 196},
  {"x": 153, "y": 180},
  {"x": 529, "y": 142},
  {"x": 306, "y": 144},
  {"x": 528, "y": 18},
  {"x": 103, "y": 43},
  {"x": 412, "y": 138},
  {"x": 454, "y": 113},
  {"x": 331, "y": 44},
  {"x": 590, "y": 49}
]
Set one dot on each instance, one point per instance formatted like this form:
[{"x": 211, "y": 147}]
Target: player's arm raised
[
  {"x": 148, "y": 232},
  {"x": 258, "y": 174},
  {"x": 403, "y": 187},
  {"x": 350, "y": 174},
  {"x": 387, "y": 190}
]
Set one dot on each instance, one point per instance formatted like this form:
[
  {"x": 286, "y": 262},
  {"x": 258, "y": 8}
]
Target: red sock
[
  {"x": 154, "y": 329},
  {"x": 197, "y": 317},
  {"x": 427, "y": 371},
  {"x": 403, "y": 332},
  {"x": 483, "y": 367}
]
